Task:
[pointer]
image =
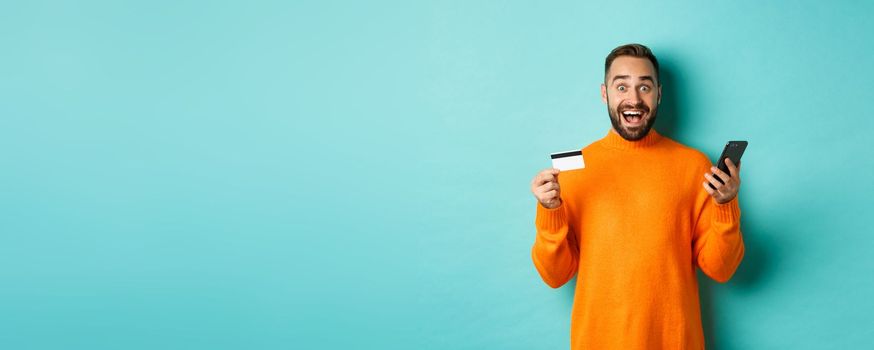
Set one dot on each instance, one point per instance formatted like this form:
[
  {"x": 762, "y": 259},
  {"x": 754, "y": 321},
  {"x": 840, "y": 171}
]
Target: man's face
[{"x": 632, "y": 95}]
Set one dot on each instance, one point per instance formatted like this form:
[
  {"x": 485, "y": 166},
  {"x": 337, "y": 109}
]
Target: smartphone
[{"x": 733, "y": 150}]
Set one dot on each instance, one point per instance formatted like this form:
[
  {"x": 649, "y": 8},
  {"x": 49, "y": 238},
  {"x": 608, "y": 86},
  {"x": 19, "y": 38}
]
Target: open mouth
[{"x": 633, "y": 117}]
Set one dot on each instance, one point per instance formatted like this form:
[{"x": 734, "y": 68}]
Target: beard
[{"x": 632, "y": 133}]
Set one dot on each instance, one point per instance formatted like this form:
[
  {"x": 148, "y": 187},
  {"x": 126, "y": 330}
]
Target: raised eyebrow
[
  {"x": 620, "y": 77},
  {"x": 645, "y": 77}
]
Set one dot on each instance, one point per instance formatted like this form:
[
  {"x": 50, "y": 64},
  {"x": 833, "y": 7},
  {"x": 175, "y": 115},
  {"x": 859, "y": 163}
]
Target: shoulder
[{"x": 686, "y": 154}]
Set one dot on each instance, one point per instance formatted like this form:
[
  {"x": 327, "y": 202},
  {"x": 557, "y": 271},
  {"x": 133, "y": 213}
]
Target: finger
[
  {"x": 707, "y": 188},
  {"x": 543, "y": 189},
  {"x": 550, "y": 195},
  {"x": 536, "y": 182},
  {"x": 549, "y": 174},
  {"x": 546, "y": 180},
  {"x": 734, "y": 170},
  {"x": 541, "y": 178},
  {"x": 721, "y": 174},
  {"x": 553, "y": 174},
  {"x": 547, "y": 187},
  {"x": 713, "y": 181}
]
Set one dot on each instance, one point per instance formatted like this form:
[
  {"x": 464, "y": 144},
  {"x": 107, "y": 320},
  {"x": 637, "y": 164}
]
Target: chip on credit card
[{"x": 568, "y": 160}]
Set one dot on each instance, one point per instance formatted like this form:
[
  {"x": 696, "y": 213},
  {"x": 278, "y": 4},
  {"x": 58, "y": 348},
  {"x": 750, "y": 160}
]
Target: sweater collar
[{"x": 614, "y": 140}]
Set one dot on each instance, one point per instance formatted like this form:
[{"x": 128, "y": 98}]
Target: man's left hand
[{"x": 727, "y": 191}]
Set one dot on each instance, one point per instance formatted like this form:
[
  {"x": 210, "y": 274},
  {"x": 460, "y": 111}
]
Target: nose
[{"x": 635, "y": 96}]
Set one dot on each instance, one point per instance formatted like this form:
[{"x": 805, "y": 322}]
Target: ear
[
  {"x": 604, "y": 93},
  {"x": 660, "y": 94}
]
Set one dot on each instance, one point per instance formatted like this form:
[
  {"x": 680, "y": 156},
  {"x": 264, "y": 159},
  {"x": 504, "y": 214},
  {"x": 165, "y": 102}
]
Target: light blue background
[{"x": 327, "y": 175}]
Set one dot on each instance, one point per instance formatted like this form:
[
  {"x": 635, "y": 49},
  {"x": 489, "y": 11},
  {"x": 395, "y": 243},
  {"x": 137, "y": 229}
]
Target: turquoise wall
[{"x": 327, "y": 175}]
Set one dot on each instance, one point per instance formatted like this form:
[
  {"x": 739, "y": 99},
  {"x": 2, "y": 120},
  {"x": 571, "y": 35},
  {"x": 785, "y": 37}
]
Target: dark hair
[{"x": 634, "y": 50}]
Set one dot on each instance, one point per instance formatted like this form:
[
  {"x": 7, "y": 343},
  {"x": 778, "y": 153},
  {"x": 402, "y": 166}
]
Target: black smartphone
[{"x": 733, "y": 150}]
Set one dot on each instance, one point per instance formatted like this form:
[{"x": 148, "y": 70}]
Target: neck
[{"x": 614, "y": 140}]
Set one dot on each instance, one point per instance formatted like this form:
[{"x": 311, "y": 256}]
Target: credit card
[{"x": 568, "y": 160}]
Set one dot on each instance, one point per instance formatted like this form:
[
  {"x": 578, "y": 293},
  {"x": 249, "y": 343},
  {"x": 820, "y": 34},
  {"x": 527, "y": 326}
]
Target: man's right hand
[{"x": 545, "y": 188}]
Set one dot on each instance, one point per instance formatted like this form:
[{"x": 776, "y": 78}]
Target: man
[{"x": 635, "y": 222}]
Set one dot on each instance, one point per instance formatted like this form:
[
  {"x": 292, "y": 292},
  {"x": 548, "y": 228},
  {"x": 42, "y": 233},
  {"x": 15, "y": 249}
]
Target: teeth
[{"x": 631, "y": 113}]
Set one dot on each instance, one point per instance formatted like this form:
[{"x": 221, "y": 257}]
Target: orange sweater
[{"x": 633, "y": 225}]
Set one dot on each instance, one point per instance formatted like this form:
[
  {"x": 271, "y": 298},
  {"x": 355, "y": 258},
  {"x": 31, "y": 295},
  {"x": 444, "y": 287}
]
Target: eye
[
  {"x": 644, "y": 88},
  {"x": 621, "y": 88}
]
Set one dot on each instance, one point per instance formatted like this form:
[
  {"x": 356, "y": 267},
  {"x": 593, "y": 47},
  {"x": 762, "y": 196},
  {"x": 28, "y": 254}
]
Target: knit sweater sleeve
[
  {"x": 718, "y": 246},
  {"x": 555, "y": 252}
]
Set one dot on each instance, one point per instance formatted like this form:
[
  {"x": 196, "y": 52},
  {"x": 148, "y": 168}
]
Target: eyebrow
[{"x": 645, "y": 77}]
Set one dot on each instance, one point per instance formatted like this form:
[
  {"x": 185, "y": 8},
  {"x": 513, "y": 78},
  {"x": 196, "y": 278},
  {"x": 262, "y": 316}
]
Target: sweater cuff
[
  {"x": 550, "y": 219},
  {"x": 728, "y": 212}
]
